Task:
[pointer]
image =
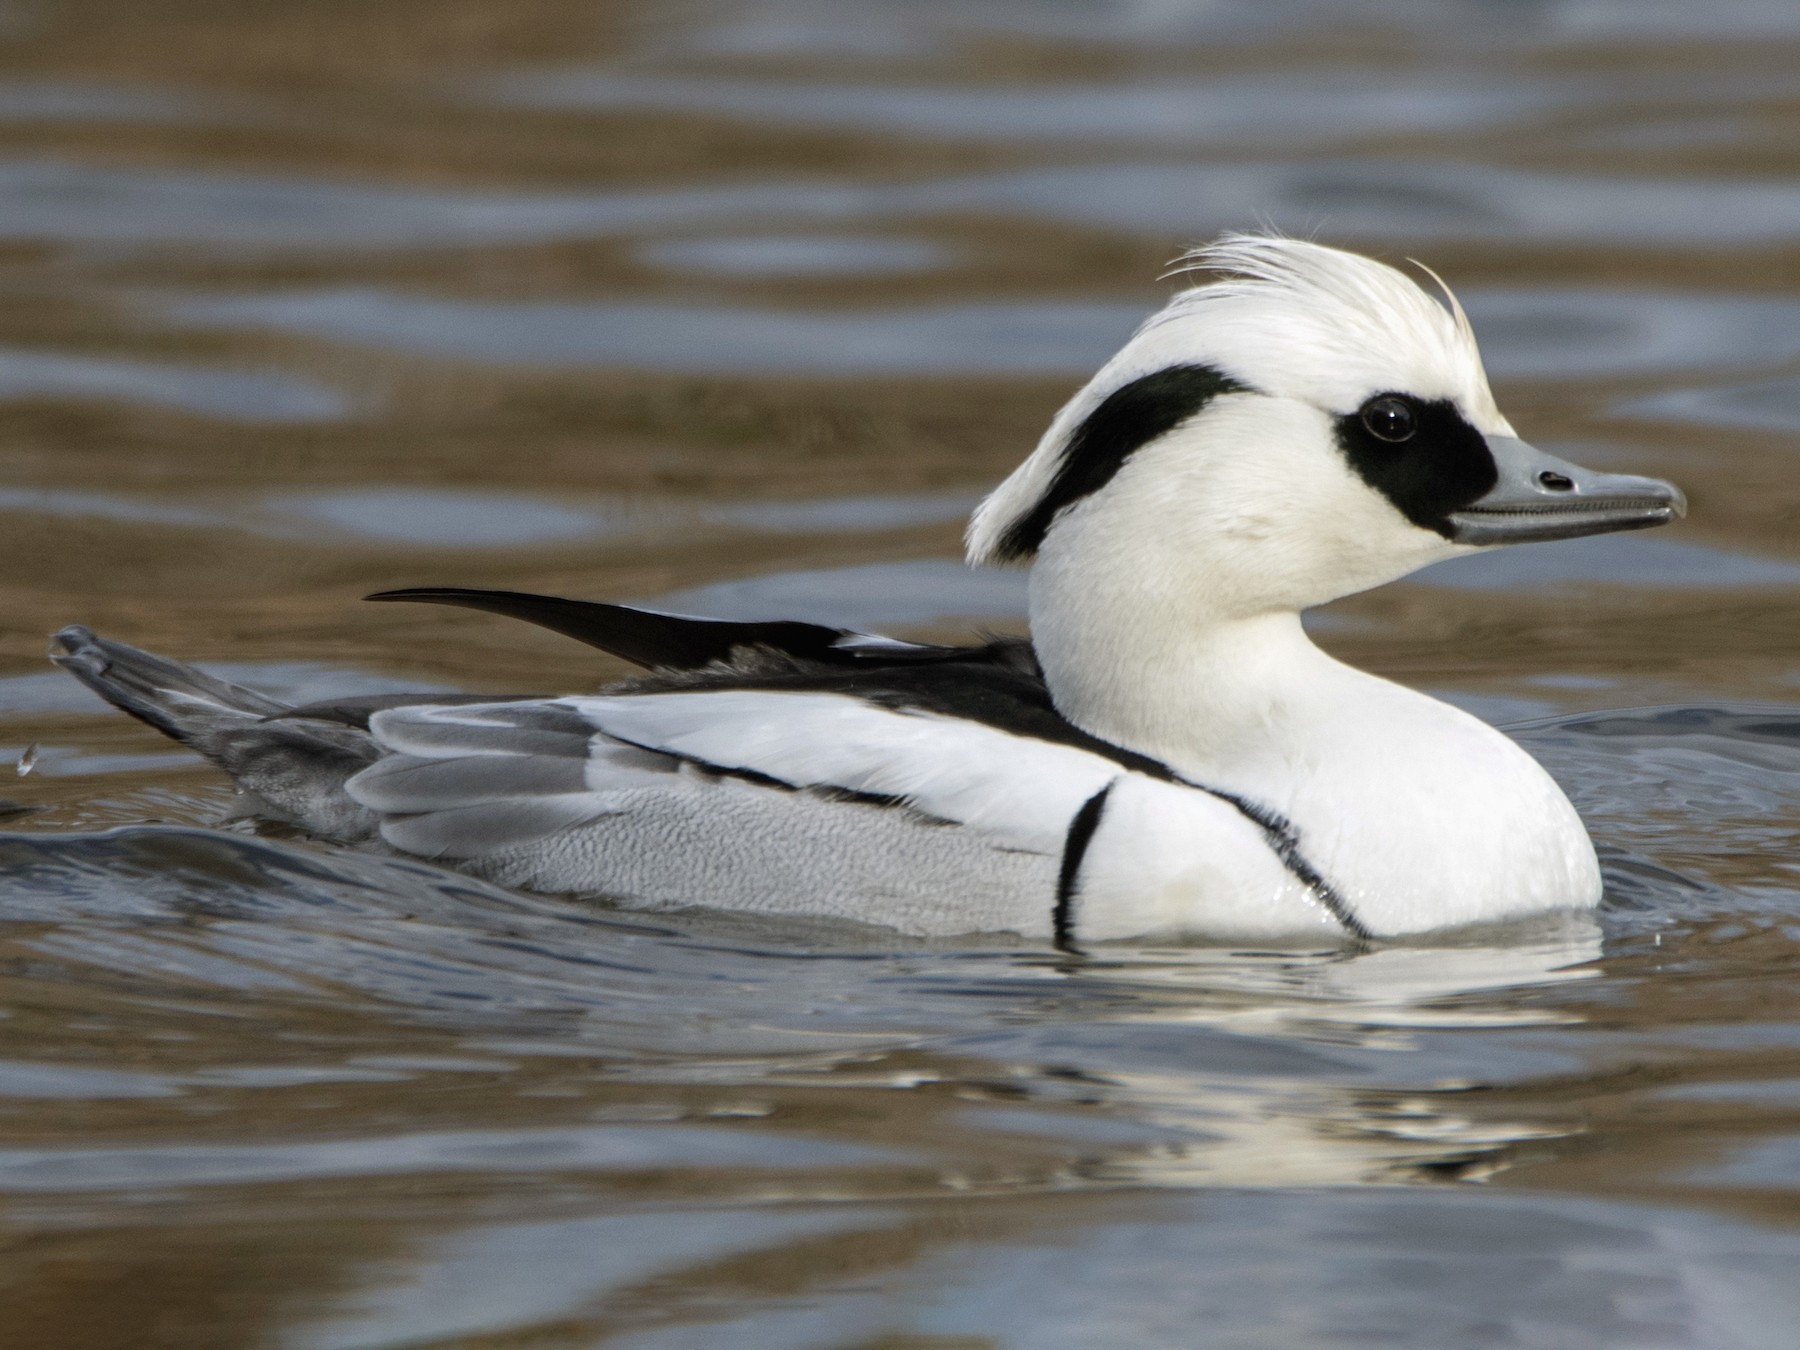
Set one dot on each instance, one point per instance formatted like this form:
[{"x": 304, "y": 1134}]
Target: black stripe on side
[
  {"x": 1284, "y": 839},
  {"x": 1075, "y": 847},
  {"x": 1127, "y": 419},
  {"x": 999, "y": 685}
]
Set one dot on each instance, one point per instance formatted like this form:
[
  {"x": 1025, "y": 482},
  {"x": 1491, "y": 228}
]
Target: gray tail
[{"x": 295, "y": 766}]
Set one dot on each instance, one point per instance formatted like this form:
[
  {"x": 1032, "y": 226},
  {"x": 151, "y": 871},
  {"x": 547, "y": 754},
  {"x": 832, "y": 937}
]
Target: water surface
[{"x": 737, "y": 307}]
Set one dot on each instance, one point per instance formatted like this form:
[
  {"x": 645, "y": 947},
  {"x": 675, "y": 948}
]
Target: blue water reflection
[
  {"x": 1759, "y": 405},
  {"x": 1617, "y": 559},
  {"x": 235, "y": 395},
  {"x": 1349, "y": 197},
  {"x": 778, "y": 256},
  {"x": 1307, "y": 106},
  {"x": 1542, "y": 334},
  {"x": 79, "y": 101},
  {"x": 1031, "y": 338}
]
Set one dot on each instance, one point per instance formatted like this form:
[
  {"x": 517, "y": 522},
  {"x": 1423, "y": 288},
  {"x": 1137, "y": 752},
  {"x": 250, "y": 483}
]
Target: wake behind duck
[{"x": 1169, "y": 754}]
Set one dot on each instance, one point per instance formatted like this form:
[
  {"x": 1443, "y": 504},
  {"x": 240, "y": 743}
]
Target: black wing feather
[
  {"x": 998, "y": 682},
  {"x": 672, "y": 641}
]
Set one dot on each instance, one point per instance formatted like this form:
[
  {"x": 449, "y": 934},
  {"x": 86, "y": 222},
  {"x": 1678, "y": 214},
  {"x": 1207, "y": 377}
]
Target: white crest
[{"x": 1285, "y": 318}]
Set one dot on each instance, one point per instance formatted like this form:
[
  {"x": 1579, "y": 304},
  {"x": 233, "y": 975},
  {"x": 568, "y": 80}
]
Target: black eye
[{"x": 1389, "y": 419}]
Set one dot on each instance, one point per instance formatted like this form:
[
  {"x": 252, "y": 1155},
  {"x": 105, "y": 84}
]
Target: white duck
[{"x": 1169, "y": 755}]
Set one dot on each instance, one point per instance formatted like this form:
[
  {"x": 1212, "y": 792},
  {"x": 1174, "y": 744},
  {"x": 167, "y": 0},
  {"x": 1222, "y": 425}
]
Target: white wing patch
[
  {"x": 639, "y": 796},
  {"x": 460, "y": 780},
  {"x": 1021, "y": 790}
]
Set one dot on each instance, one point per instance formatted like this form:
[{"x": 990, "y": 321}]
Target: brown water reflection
[{"x": 739, "y": 302}]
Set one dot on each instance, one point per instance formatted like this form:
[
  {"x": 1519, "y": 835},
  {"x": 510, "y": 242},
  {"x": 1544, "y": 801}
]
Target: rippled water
[{"x": 738, "y": 305}]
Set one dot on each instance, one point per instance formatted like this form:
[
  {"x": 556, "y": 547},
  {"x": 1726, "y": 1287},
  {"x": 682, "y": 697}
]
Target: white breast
[{"x": 1422, "y": 816}]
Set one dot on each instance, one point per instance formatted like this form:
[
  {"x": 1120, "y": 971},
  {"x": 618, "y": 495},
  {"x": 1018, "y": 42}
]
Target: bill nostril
[{"x": 1552, "y": 481}]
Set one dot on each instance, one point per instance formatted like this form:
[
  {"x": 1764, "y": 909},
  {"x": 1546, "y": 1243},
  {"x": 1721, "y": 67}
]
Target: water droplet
[{"x": 27, "y": 760}]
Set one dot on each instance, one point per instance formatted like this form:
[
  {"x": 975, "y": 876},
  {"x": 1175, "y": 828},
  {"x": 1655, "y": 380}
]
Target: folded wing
[{"x": 569, "y": 760}]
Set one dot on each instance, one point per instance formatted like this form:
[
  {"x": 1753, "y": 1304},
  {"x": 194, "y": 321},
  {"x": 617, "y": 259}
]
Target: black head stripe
[
  {"x": 1440, "y": 468},
  {"x": 1127, "y": 419}
]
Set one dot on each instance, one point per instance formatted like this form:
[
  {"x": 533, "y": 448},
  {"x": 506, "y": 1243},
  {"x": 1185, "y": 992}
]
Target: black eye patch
[{"x": 1439, "y": 466}]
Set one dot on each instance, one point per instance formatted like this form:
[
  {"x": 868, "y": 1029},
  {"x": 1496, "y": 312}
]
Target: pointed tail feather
[{"x": 296, "y": 767}]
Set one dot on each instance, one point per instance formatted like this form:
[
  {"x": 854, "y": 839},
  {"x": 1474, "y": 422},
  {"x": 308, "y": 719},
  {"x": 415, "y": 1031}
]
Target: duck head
[{"x": 1310, "y": 424}]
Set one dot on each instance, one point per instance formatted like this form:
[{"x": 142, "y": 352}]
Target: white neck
[
  {"x": 1419, "y": 813},
  {"x": 1212, "y": 694}
]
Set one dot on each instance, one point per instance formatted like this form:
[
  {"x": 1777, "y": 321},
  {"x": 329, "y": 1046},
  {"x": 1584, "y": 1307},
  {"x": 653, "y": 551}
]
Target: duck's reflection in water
[
  {"x": 540, "y": 1119},
  {"x": 1280, "y": 1069},
  {"x": 1059, "y": 1138}
]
